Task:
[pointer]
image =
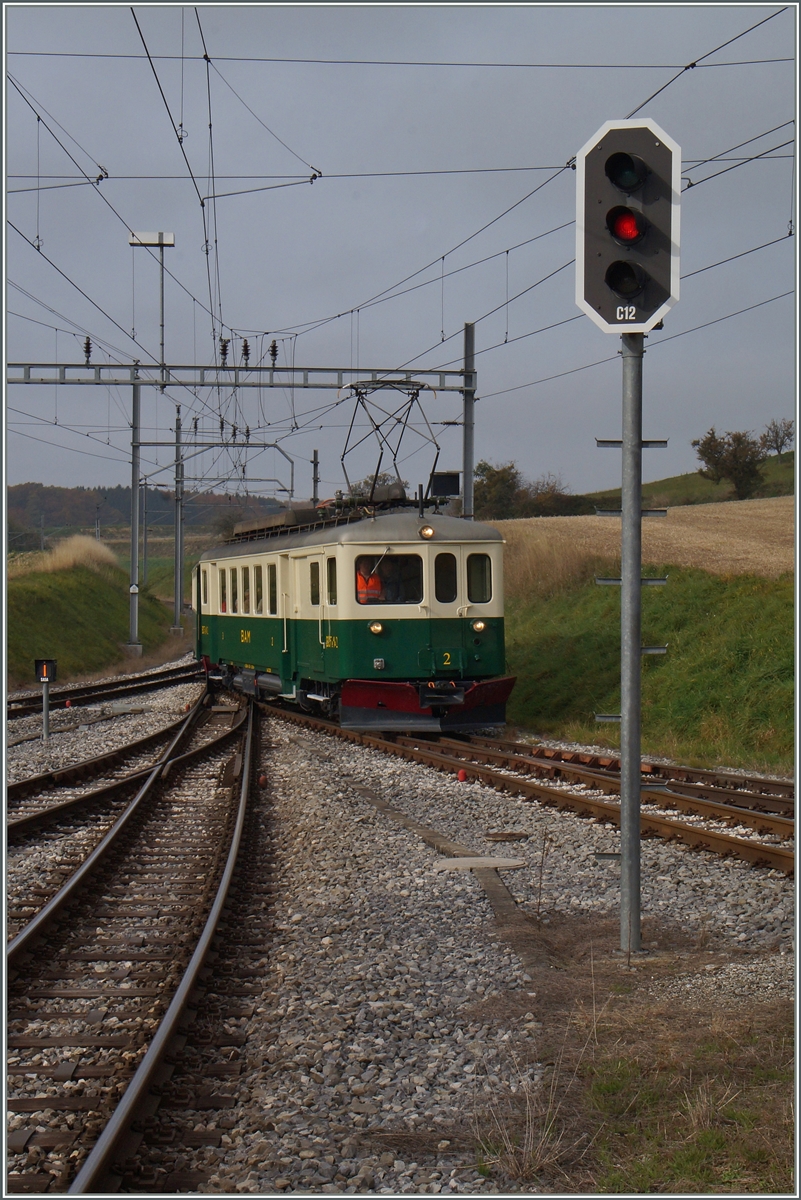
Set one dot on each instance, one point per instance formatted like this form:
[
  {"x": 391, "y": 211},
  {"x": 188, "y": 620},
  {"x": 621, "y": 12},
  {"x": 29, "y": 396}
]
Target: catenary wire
[
  {"x": 599, "y": 362},
  {"x": 391, "y": 62},
  {"x": 691, "y": 66}
]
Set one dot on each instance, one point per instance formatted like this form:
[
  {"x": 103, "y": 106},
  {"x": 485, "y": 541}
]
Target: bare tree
[{"x": 778, "y": 435}]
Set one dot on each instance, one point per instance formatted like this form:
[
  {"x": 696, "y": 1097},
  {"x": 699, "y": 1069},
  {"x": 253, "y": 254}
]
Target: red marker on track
[{"x": 461, "y": 775}]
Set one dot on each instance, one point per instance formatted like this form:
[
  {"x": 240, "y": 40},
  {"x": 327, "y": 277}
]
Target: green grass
[
  {"x": 723, "y": 693},
  {"x": 77, "y": 616},
  {"x": 694, "y": 489},
  {"x": 710, "y": 1128}
]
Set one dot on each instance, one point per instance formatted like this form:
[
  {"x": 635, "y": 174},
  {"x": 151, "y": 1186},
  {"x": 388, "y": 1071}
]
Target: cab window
[
  {"x": 389, "y": 579},
  {"x": 314, "y": 582},
  {"x": 445, "y": 578},
  {"x": 246, "y": 589},
  {"x": 258, "y": 587},
  {"x": 223, "y": 591},
  {"x": 479, "y": 578},
  {"x": 234, "y": 591}
]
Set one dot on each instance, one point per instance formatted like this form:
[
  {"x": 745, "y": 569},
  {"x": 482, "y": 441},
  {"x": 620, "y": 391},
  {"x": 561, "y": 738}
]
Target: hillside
[
  {"x": 694, "y": 489},
  {"x": 750, "y": 536},
  {"x": 724, "y": 692},
  {"x": 77, "y": 614}
]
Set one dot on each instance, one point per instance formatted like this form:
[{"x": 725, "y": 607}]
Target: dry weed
[
  {"x": 525, "y": 1140},
  {"x": 744, "y": 537},
  {"x": 77, "y": 551},
  {"x": 537, "y": 564},
  {"x": 702, "y": 1109}
]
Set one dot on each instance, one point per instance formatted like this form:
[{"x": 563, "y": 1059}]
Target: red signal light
[{"x": 626, "y": 225}]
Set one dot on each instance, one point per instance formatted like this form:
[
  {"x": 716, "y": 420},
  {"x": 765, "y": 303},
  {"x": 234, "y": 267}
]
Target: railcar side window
[
  {"x": 246, "y": 589},
  {"x": 272, "y": 588},
  {"x": 204, "y": 581},
  {"x": 258, "y": 587},
  {"x": 314, "y": 582},
  {"x": 389, "y": 579},
  {"x": 331, "y": 569},
  {"x": 234, "y": 591},
  {"x": 223, "y": 604},
  {"x": 445, "y": 578},
  {"x": 479, "y": 578}
]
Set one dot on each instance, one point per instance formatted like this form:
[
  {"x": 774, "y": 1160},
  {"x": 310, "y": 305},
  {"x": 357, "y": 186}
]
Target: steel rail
[
  {"x": 663, "y": 797},
  {"x": 54, "y": 812},
  {"x": 108, "y": 691},
  {"x": 691, "y": 835},
  {"x": 61, "y": 776},
  {"x": 20, "y": 943},
  {"x": 760, "y": 785},
  {"x": 100, "y": 1162}
]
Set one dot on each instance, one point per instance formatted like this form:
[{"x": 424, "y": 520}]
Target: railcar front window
[
  {"x": 246, "y": 589},
  {"x": 331, "y": 569},
  {"x": 204, "y": 581},
  {"x": 314, "y": 582},
  {"x": 445, "y": 578},
  {"x": 389, "y": 579},
  {"x": 479, "y": 578},
  {"x": 234, "y": 591},
  {"x": 272, "y": 588},
  {"x": 258, "y": 587},
  {"x": 223, "y": 591}
]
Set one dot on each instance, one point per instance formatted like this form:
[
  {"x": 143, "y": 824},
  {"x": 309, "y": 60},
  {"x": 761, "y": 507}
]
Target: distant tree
[
  {"x": 224, "y": 521},
  {"x": 496, "y": 491},
  {"x": 777, "y": 436},
  {"x": 384, "y": 479},
  {"x": 501, "y": 493},
  {"x": 735, "y": 457}
]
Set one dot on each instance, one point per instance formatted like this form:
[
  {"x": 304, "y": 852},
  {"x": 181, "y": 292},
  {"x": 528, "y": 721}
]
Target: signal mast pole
[
  {"x": 628, "y": 191},
  {"x": 630, "y": 641},
  {"x": 468, "y": 443}
]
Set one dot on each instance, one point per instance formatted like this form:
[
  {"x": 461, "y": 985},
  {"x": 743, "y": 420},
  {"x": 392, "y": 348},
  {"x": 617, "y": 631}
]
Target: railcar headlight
[
  {"x": 479, "y": 626},
  {"x": 376, "y": 627},
  {"x": 426, "y": 532}
]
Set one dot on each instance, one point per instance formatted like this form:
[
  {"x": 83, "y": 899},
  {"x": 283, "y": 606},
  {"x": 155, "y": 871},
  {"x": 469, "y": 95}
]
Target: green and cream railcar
[{"x": 392, "y": 621}]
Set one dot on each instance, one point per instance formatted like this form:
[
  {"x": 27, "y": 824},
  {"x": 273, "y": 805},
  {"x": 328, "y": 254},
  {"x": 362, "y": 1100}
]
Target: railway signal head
[{"x": 628, "y": 180}]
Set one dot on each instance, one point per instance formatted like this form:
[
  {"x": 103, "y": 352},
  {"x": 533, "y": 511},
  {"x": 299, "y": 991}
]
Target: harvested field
[{"x": 737, "y": 538}]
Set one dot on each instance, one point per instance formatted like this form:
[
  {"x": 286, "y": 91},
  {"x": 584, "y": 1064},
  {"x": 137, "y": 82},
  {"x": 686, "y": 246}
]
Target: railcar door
[
  {"x": 445, "y": 601},
  {"x": 330, "y": 623},
  {"x": 309, "y": 593}
]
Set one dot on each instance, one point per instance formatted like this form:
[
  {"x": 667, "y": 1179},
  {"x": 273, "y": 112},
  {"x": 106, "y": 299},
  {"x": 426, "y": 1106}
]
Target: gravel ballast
[
  {"x": 390, "y": 1013},
  {"x": 377, "y": 985}
]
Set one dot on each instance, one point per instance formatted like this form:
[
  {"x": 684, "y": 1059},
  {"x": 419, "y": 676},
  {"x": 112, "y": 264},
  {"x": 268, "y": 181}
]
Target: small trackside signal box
[
  {"x": 46, "y": 669},
  {"x": 628, "y": 193}
]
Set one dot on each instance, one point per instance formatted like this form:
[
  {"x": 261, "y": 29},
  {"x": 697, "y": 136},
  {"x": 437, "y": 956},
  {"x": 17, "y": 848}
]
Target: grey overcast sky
[{"x": 425, "y": 123}]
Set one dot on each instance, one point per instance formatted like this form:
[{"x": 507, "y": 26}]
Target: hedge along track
[
  {"x": 455, "y": 756},
  {"x": 120, "y": 955},
  {"x": 86, "y": 694}
]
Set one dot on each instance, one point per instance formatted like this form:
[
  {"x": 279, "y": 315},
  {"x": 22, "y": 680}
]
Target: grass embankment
[
  {"x": 72, "y": 604},
  {"x": 642, "y": 1094},
  {"x": 779, "y": 480},
  {"x": 161, "y": 561},
  {"x": 723, "y": 693}
]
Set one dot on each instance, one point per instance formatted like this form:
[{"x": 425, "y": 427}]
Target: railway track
[
  {"x": 133, "y": 685},
  {"x": 102, "y": 979},
  {"x": 700, "y": 816}
]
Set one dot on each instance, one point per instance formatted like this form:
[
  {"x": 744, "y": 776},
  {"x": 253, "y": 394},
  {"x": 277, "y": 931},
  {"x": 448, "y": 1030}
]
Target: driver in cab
[{"x": 369, "y": 586}]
